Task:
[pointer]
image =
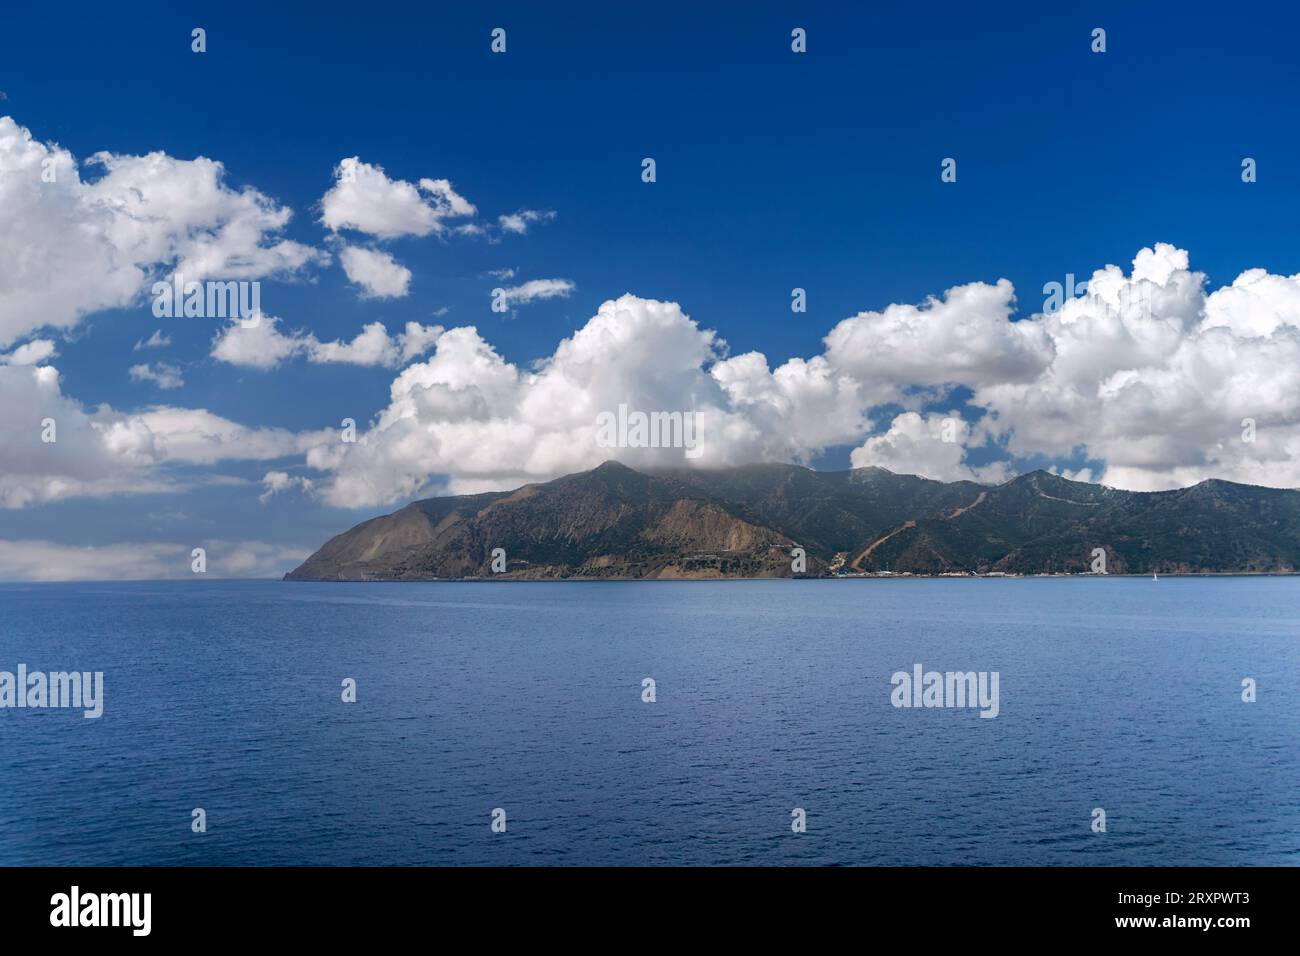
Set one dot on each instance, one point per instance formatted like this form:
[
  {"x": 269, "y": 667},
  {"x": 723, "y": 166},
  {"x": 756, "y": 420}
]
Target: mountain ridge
[{"x": 614, "y": 522}]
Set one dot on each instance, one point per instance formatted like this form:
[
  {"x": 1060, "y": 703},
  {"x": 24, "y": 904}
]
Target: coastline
[{"x": 582, "y": 579}]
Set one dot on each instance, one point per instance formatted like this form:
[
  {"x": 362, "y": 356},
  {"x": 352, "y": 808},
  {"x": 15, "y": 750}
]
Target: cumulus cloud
[
  {"x": 263, "y": 346},
  {"x": 1155, "y": 378},
  {"x": 379, "y": 276},
  {"x": 164, "y": 374},
  {"x": 364, "y": 199},
  {"x": 50, "y": 561},
  {"x": 932, "y": 446},
  {"x": 964, "y": 338},
  {"x": 1145, "y": 381},
  {"x": 468, "y": 414},
  {"x": 371, "y": 346},
  {"x": 257, "y": 343},
  {"x": 71, "y": 247},
  {"x": 790, "y": 414}
]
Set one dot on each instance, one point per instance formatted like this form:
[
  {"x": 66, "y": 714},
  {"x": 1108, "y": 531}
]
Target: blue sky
[{"x": 775, "y": 170}]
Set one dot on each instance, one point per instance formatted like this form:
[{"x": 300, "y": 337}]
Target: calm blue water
[{"x": 1115, "y": 693}]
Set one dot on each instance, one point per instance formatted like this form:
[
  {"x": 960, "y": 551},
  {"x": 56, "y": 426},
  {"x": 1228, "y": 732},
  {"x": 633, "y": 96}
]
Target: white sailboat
[{"x": 1154, "y": 576}]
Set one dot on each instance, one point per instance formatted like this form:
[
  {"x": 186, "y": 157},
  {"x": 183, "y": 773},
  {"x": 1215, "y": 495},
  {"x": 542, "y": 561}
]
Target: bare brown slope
[{"x": 611, "y": 522}]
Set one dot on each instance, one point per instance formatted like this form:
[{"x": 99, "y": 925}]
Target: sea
[{"x": 656, "y": 723}]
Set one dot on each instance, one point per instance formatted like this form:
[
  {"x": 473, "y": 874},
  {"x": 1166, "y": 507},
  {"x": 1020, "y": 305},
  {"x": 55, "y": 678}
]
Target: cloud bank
[
  {"x": 1147, "y": 375},
  {"x": 1145, "y": 381},
  {"x": 151, "y": 561},
  {"x": 53, "y": 448}
]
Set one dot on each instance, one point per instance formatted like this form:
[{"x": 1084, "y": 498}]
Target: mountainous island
[{"x": 616, "y": 523}]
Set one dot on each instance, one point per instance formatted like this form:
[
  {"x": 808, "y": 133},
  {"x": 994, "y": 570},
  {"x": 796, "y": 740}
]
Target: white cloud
[
  {"x": 164, "y": 374},
  {"x": 379, "y": 276},
  {"x": 155, "y": 341},
  {"x": 446, "y": 200},
  {"x": 364, "y": 199},
  {"x": 105, "y": 452},
  {"x": 964, "y": 338},
  {"x": 372, "y": 346},
  {"x": 932, "y": 446},
  {"x": 1144, "y": 382},
  {"x": 1154, "y": 378},
  {"x": 470, "y": 415},
  {"x": 71, "y": 247},
  {"x": 1146, "y": 373},
  {"x": 264, "y": 346},
  {"x": 200, "y": 437},
  {"x": 83, "y": 459},
  {"x": 257, "y": 344},
  {"x": 789, "y": 414},
  {"x": 278, "y": 482},
  {"x": 518, "y": 222},
  {"x": 535, "y": 290},
  {"x": 49, "y": 561},
  {"x": 35, "y": 352},
  {"x": 415, "y": 340}
]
